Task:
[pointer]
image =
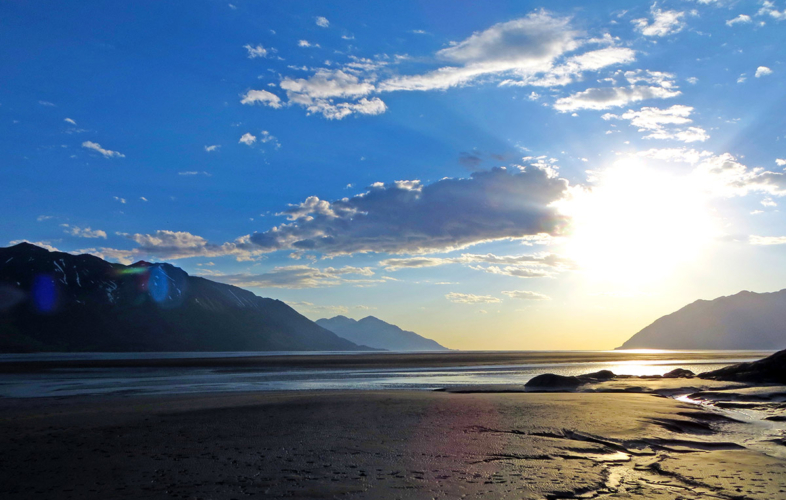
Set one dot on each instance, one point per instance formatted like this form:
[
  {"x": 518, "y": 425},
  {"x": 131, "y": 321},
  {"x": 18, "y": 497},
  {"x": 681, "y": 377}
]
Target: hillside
[
  {"x": 374, "y": 332},
  {"x": 54, "y": 301},
  {"x": 746, "y": 320}
]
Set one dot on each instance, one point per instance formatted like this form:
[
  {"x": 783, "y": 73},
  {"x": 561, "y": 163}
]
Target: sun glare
[{"x": 636, "y": 224}]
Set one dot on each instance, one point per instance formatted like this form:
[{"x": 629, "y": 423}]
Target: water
[{"x": 60, "y": 382}]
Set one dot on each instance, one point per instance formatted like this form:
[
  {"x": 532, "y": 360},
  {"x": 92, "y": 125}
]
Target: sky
[{"x": 492, "y": 175}]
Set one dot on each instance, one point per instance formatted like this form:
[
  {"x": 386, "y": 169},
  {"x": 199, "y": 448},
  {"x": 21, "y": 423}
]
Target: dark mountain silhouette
[
  {"x": 374, "y": 332},
  {"x": 746, "y": 320},
  {"x": 54, "y": 301}
]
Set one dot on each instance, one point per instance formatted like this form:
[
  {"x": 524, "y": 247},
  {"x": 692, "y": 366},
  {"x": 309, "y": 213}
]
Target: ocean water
[{"x": 62, "y": 382}]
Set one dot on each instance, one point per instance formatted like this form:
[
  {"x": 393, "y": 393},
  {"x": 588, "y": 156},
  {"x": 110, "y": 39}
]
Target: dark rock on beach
[
  {"x": 552, "y": 382},
  {"x": 770, "y": 370},
  {"x": 679, "y": 373}
]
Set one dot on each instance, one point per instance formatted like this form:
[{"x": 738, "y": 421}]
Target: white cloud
[
  {"x": 267, "y": 137},
  {"x": 121, "y": 200},
  {"x": 526, "y": 295},
  {"x": 42, "y": 218},
  {"x": 575, "y": 66},
  {"x": 692, "y": 80},
  {"x": 105, "y": 152},
  {"x": 167, "y": 245},
  {"x": 522, "y": 47},
  {"x": 612, "y": 97},
  {"x": 741, "y": 19},
  {"x": 318, "y": 93},
  {"x": 684, "y": 155},
  {"x": 248, "y": 139},
  {"x": 725, "y": 176},
  {"x": 664, "y": 22},
  {"x": 214, "y": 147},
  {"x": 520, "y": 266},
  {"x": 780, "y": 162},
  {"x": 257, "y": 51},
  {"x": 69, "y": 120},
  {"x": 143, "y": 198},
  {"x": 300, "y": 277},
  {"x": 322, "y": 22},
  {"x": 468, "y": 298},
  {"x": 768, "y": 9},
  {"x": 47, "y": 103},
  {"x": 767, "y": 202},
  {"x": 767, "y": 240},
  {"x": 261, "y": 97},
  {"x": 690, "y": 134},
  {"x": 83, "y": 232},
  {"x": 407, "y": 217},
  {"x": 306, "y": 43},
  {"x": 741, "y": 78},
  {"x": 762, "y": 71}
]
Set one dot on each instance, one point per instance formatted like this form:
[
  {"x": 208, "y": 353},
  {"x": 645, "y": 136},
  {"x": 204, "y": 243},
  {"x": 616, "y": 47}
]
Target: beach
[{"x": 616, "y": 439}]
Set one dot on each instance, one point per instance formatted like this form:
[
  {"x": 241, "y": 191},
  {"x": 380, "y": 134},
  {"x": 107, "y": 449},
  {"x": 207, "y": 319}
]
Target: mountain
[
  {"x": 746, "y": 320},
  {"x": 374, "y": 332},
  {"x": 54, "y": 301}
]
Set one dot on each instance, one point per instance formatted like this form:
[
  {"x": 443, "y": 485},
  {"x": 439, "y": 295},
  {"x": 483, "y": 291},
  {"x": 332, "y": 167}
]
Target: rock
[
  {"x": 679, "y": 373},
  {"x": 552, "y": 382},
  {"x": 770, "y": 370},
  {"x": 598, "y": 376}
]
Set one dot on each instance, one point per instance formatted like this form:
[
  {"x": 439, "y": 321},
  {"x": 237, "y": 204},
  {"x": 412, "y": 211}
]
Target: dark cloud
[{"x": 408, "y": 217}]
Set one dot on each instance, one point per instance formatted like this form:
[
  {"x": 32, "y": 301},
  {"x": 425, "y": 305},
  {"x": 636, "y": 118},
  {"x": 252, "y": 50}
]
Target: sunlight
[{"x": 637, "y": 224}]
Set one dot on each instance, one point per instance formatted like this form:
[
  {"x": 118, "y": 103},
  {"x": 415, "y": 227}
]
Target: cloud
[
  {"x": 262, "y": 97},
  {"x": 42, "y": 218},
  {"x": 468, "y": 298},
  {"x": 106, "y": 152},
  {"x": 762, "y": 71},
  {"x": 725, "y": 176},
  {"x": 525, "y": 295},
  {"x": 306, "y": 43},
  {"x": 520, "y": 266},
  {"x": 611, "y": 97},
  {"x": 47, "y": 103},
  {"x": 322, "y": 22},
  {"x": 121, "y": 200},
  {"x": 258, "y": 51},
  {"x": 767, "y": 240},
  {"x": 214, "y": 147},
  {"x": 193, "y": 172},
  {"x": 299, "y": 277},
  {"x": 741, "y": 19},
  {"x": 248, "y": 139},
  {"x": 318, "y": 92},
  {"x": 768, "y": 9},
  {"x": 83, "y": 232},
  {"x": 69, "y": 120},
  {"x": 167, "y": 245},
  {"x": 660, "y": 123},
  {"x": 266, "y": 137},
  {"x": 780, "y": 162},
  {"x": 575, "y": 66},
  {"x": 143, "y": 198},
  {"x": 684, "y": 155},
  {"x": 663, "y": 23},
  {"x": 409, "y": 217},
  {"x": 524, "y": 46}
]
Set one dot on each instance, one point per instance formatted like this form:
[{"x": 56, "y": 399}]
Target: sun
[{"x": 637, "y": 224}]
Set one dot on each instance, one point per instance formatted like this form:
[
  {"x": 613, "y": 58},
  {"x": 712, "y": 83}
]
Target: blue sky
[{"x": 519, "y": 175}]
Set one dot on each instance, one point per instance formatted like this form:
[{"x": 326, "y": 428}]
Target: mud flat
[{"x": 390, "y": 444}]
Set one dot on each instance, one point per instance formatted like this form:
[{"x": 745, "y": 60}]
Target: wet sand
[{"x": 391, "y": 444}]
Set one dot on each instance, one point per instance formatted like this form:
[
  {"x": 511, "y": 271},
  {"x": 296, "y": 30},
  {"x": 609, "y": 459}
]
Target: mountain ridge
[
  {"x": 373, "y": 332},
  {"x": 745, "y": 320},
  {"x": 56, "y": 301}
]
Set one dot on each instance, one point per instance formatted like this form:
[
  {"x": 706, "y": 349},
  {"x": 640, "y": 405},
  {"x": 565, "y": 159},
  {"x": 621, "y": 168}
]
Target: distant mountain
[
  {"x": 54, "y": 301},
  {"x": 746, "y": 320},
  {"x": 374, "y": 332}
]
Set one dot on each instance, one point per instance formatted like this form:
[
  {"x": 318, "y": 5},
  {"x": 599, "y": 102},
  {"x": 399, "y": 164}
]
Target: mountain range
[
  {"x": 374, "y": 332},
  {"x": 746, "y": 320},
  {"x": 55, "y": 301}
]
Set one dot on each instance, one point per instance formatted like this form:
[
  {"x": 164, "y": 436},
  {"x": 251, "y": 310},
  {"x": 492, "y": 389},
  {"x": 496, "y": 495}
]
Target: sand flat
[{"x": 360, "y": 444}]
